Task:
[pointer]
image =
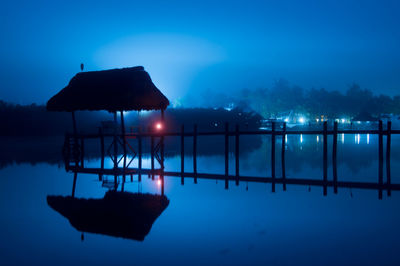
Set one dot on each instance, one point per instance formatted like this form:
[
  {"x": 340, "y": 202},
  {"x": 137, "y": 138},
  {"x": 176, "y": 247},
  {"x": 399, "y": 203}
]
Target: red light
[
  {"x": 159, "y": 182},
  {"x": 158, "y": 126}
]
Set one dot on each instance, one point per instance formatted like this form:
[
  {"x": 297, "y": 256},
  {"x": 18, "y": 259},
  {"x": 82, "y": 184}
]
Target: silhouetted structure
[
  {"x": 118, "y": 214},
  {"x": 115, "y": 90}
]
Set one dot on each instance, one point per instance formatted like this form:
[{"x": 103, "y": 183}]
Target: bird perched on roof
[{"x": 82, "y": 66}]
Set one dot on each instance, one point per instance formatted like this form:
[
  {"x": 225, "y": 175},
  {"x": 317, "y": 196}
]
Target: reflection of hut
[
  {"x": 119, "y": 214},
  {"x": 113, "y": 90}
]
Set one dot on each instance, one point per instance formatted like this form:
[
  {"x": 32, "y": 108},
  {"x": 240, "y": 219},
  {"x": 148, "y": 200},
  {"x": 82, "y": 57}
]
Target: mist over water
[{"x": 245, "y": 224}]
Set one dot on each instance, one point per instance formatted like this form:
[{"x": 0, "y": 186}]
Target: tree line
[{"x": 282, "y": 97}]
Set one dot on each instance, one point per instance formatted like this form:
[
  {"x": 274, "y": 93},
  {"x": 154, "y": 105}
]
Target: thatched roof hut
[{"x": 113, "y": 90}]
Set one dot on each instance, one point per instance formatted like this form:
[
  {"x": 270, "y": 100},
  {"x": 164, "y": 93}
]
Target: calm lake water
[{"x": 205, "y": 223}]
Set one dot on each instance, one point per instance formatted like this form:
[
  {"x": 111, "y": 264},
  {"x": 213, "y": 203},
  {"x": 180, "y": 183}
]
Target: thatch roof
[
  {"x": 112, "y": 90},
  {"x": 118, "y": 214}
]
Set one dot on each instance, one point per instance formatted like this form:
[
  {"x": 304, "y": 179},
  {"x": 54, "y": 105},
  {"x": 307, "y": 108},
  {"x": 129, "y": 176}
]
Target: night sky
[{"x": 188, "y": 47}]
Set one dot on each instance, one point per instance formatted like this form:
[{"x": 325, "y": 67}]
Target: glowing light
[
  {"x": 343, "y": 120},
  {"x": 159, "y": 182},
  {"x": 286, "y": 120},
  {"x": 317, "y": 138},
  {"x": 367, "y": 138},
  {"x": 358, "y": 138},
  {"x": 317, "y": 120},
  {"x": 159, "y": 126},
  {"x": 286, "y": 138},
  {"x": 342, "y": 137},
  {"x": 301, "y": 138},
  {"x": 301, "y": 120}
]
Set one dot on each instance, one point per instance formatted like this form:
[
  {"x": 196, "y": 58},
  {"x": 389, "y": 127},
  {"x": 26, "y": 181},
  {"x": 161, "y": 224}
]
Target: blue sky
[{"x": 189, "y": 46}]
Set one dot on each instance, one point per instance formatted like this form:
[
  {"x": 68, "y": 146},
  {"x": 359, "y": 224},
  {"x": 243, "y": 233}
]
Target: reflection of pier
[{"x": 125, "y": 170}]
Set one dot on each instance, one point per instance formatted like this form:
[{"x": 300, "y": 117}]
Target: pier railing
[{"x": 74, "y": 152}]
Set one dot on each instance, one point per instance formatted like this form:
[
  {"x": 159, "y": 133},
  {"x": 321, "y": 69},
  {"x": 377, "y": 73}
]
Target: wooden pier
[{"x": 74, "y": 154}]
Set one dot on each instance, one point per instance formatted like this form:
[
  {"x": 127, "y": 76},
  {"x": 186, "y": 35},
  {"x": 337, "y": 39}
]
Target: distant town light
[
  {"x": 343, "y": 120},
  {"x": 317, "y": 120},
  {"x": 301, "y": 120},
  {"x": 159, "y": 182},
  {"x": 286, "y": 119}
]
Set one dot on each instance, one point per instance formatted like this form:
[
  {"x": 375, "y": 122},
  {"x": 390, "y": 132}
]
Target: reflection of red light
[{"x": 158, "y": 126}]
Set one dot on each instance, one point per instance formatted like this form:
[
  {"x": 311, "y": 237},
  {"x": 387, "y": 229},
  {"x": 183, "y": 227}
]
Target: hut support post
[
  {"x": 195, "y": 153},
  {"x": 388, "y": 143},
  {"x": 334, "y": 157},
  {"x": 102, "y": 152},
  {"x": 325, "y": 150},
  {"x": 115, "y": 142},
  {"x": 273, "y": 155},
  {"x": 123, "y": 140},
  {"x": 226, "y": 155},
  {"x": 162, "y": 140},
  {"x": 380, "y": 170},
  {"x": 152, "y": 155},
  {"x": 283, "y": 155}
]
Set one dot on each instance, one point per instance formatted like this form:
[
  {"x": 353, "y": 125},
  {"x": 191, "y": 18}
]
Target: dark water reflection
[{"x": 206, "y": 224}]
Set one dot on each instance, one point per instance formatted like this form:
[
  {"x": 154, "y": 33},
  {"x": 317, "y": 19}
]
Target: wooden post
[
  {"x": 123, "y": 140},
  {"x": 182, "y": 154},
  {"x": 226, "y": 154},
  {"x": 388, "y": 143},
  {"x": 334, "y": 157},
  {"x": 195, "y": 153},
  {"x": 162, "y": 183},
  {"x": 115, "y": 142},
  {"x": 273, "y": 155},
  {"x": 380, "y": 173},
  {"x": 325, "y": 157},
  {"x": 152, "y": 155},
  {"x": 283, "y": 155},
  {"x": 140, "y": 154},
  {"x": 162, "y": 140},
  {"x": 102, "y": 152},
  {"x": 237, "y": 154}
]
